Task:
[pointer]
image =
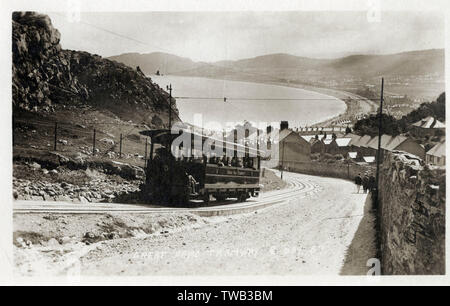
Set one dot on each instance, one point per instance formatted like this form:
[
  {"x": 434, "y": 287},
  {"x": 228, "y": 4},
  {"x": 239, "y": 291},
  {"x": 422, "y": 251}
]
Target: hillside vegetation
[{"x": 394, "y": 127}]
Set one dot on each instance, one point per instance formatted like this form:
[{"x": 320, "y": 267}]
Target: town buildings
[
  {"x": 436, "y": 155},
  {"x": 428, "y": 126}
]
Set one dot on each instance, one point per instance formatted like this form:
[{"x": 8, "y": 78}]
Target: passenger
[
  {"x": 234, "y": 162},
  {"x": 224, "y": 161},
  {"x": 249, "y": 163},
  {"x": 213, "y": 160},
  {"x": 240, "y": 163}
]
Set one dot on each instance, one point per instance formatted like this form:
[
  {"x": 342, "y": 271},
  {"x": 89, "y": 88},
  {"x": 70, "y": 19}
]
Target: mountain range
[{"x": 286, "y": 67}]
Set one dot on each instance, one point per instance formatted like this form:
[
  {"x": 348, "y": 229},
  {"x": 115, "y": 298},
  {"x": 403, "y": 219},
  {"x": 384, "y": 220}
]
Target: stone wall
[{"x": 411, "y": 216}]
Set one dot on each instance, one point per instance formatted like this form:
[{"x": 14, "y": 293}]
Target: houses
[
  {"x": 406, "y": 144},
  {"x": 339, "y": 146},
  {"x": 436, "y": 155},
  {"x": 428, "y": 126},
  {"x": 359, "y": 144},
  {"x": 317, "y": 146},
  {"x": 292, "y": 148},
  {"x": 366, "y": 146}
]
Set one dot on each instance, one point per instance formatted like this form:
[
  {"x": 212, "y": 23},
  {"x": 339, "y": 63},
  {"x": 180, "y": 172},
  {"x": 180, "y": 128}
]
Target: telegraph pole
[
  {"x": 169, "y": 88},
  {"x": 282, "y": 162},
  {"x": 379, "y": 138}
]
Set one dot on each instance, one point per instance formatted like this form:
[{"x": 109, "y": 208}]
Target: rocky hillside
[{"x": 46, "y": 77}]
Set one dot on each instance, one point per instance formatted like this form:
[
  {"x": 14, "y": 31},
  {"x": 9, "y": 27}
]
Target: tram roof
[{"x": 161, "y": 136}]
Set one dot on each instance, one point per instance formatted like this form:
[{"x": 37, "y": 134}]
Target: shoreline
[{"x": 353, "y": 108}]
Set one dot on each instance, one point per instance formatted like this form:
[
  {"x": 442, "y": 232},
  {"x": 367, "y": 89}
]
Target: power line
[
  {"x": 268, "y": 99},
  {"x": 118, "y": 34},
  {"x": 232, "y": 69}
]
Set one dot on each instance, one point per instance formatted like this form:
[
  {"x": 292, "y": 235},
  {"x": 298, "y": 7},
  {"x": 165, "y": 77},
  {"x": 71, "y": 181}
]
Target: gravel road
[{"x": 326, "y": 231}]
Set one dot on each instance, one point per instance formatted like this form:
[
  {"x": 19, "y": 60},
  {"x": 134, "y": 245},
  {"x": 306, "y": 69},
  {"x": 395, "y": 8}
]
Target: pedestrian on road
[
  {"x": 372, "y": 183},
  {"x": 358, "y": 182},
  {"x": 365, "y": 183}
]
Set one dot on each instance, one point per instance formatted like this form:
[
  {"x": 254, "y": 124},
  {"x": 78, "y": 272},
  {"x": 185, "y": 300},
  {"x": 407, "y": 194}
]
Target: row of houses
[
  {"x": 362, "y": 146},
  {"x": 428, "y": 126},
  {"x": 294, "y": 147}
]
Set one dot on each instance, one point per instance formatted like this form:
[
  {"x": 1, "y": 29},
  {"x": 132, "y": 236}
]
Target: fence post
[
  {"x": 56, "y": 130},
  {"x": 145, "y": 154},
  {"x": 120, "y": 147},
  {"x": 93, "y": 145}
]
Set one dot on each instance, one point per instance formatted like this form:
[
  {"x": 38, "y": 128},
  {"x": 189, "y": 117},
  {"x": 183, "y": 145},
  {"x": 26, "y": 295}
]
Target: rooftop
[
  {"x": 343, "y": 142},
  {"x": 385, "y": 139},
  {"x": 429, "y": 122},
  {"x": 438, "y": 150},
  {"x": 395, "y": 142}
]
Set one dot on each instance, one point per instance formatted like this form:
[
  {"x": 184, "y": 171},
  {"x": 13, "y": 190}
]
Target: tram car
[{"x": 177, "y": 180}]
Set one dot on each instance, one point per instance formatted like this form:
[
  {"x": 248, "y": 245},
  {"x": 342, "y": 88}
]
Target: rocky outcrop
[
  {"x": 411, "y": 216},
  {"x": 45, "y": 76},
  {"x": 96, "y": 190}
]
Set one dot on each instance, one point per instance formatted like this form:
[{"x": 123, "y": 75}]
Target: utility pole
[
  {"x": 169, "y": 88},
  {"x": 282, "y": 162},
  {"x": 56, "y": 136},
  {"x": 145, "y": 154},
  {"x": 120, "y": 147},
  {"x": 379, "y": 139}
]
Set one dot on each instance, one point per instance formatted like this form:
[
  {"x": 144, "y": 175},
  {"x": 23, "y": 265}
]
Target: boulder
[{"x": 108, "y": 141}]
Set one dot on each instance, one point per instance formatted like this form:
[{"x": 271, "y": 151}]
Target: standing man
[
  {"x": 365, "y": 182},
  {"x": 372, "y": 184},
  {"x": 358, "y": 182}
]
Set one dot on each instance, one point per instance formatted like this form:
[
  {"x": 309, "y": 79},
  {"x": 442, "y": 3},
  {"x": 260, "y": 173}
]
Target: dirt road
[{"x": 328, "y": 230}]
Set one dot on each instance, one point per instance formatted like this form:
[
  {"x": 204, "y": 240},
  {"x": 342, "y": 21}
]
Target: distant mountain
[
  {"x": 151, "y": 62},
  {"x": 283, "y": 67}
]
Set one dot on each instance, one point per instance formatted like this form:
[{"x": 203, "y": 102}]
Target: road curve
[
  {"x": 317, "y": 225},
  {"x": 324, "y": 228},
  {"x": 295, "y": 187}
]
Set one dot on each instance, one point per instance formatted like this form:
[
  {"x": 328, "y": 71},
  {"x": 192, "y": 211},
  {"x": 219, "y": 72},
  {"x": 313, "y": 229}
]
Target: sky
[{"x": 216, "y": 36}]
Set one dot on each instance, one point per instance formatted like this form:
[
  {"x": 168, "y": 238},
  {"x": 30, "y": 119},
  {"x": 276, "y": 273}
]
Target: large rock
[{"x": 44, "y": 75}]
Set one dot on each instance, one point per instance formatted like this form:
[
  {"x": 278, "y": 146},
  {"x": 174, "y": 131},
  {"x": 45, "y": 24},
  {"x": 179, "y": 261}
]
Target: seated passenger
[
  {"x": 224, "y": 161},
  {"x": 212, "y": 160}
]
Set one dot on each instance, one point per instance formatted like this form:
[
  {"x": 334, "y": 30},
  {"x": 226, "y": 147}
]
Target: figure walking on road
[
  {"x": 365, "y": 183},
  {"x": 358, "y": 182},
  {"x": 372, "y": 183}
]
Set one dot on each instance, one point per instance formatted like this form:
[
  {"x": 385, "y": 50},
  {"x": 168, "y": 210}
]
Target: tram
[{"x": 177, "y": 179}]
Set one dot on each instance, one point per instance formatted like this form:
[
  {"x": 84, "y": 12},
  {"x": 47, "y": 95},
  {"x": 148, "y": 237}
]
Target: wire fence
[{"x": 93, "y": 141}]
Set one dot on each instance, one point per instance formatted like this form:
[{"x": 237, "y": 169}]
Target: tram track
[{"x": 296, "y": 189}]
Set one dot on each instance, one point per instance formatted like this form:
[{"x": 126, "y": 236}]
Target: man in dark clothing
[
  {"x": 372, "y": 183},
  {"x": 365, "y": 183},
  {"x": 358, "y": 182}
]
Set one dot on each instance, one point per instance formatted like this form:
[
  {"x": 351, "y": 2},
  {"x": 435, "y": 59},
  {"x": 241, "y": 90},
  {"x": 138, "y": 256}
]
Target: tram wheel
[
  {"x": 243, "y": 197},
  {"x": 220, "y": 197}
]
